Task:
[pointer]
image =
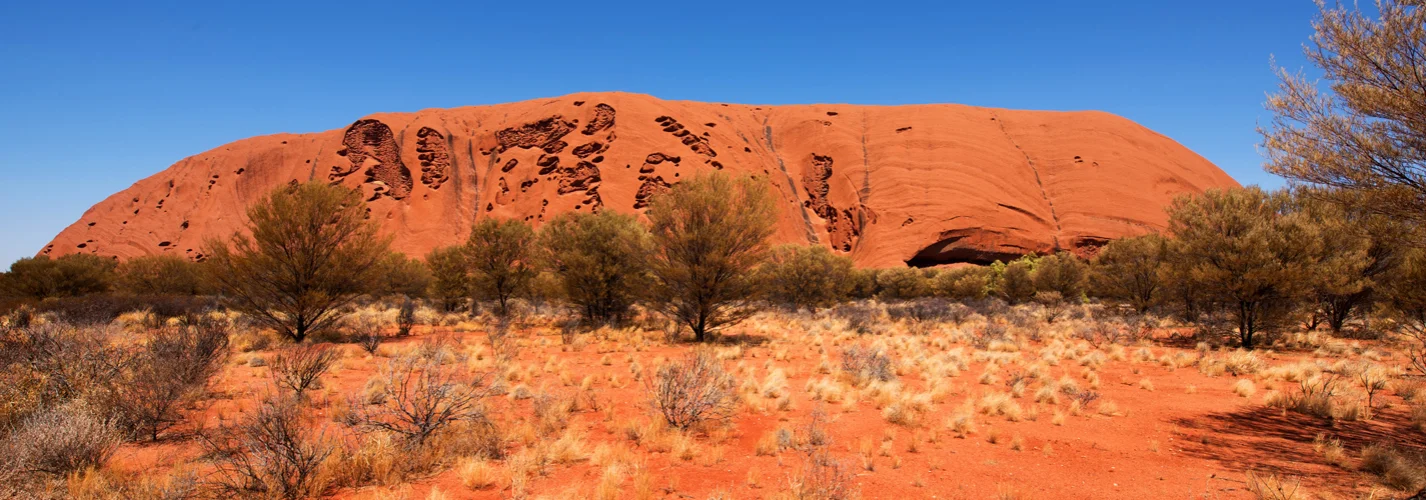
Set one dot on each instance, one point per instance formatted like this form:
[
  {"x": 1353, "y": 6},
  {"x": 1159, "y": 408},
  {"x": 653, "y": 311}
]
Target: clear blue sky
[{"x": 96, "y": 95}]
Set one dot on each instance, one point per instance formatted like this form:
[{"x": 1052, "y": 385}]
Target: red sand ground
[
  {"x": 883, "y": 184},
  {"x": 1166, "y": 443}
]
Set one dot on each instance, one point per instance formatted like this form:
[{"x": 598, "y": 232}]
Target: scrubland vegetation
[{"x": 1267, "y": 344}]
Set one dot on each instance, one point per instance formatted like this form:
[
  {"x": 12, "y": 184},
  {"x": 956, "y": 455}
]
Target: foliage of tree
[
  {"x": 600, "y": 259},
  {"x": 1365, "y": 132},
  {"x": 1128, "y": 269},
  {"x": 806, "y": 276},
  {"x": 1342, "y": 271},
  {"x": 1406, "y": 304},
  {"x": 69, "y": 275},
  {"x": 311, "y": 251},
  {"x": 499, "y": 259},
  {"x": 710, "y": 233}
]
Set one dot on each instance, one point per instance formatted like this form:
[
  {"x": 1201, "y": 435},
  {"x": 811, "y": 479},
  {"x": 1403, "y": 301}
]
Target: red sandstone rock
[{"x": 887, "y": 185}]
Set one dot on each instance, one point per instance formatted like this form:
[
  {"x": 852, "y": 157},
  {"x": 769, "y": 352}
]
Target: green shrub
[{"x": 806, "y": 276}]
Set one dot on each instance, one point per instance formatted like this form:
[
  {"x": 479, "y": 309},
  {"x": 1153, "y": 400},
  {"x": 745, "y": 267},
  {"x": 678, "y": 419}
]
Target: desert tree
[
  {"x": 1364, "y": 132},
  {"x": 499, "y": 259},
  {"x": 710, "y": 232},
  {"x": 1248, "y": 250},
  {"x": 806, "y": 276},
  {"x": 601, "y": 261},
  {"x": 450, "y": 285},
  {"x": 1128, "y": 269},
  {"x": 159, "y": 275},
  {"x": 309, "y": 251}
]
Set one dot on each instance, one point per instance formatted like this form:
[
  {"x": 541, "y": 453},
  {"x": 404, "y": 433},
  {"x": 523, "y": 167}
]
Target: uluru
[{"x": 918, "y": 185}]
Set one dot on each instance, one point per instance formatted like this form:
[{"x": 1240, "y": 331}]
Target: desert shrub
[
  {"x": 601, "y": 261},
  {"x": 60, "y": 440},
  {"x": 963, "y": 283},
  {"x": 806, "y": 276},
  {"x": 693, "y": 391},
  {"x": 159, "y": 275},
  {"x": 450, "y": 285},
  {"x": 499, "y": 260},
  {"x": 710, "y": 233},
  {"x": 172, "y": 369},
  {"x": 366, "y": 333},
  {"x": 270, "y": 453},
  {"x": 865, "y": 364},
  {"x": 46, "y": 364},
  {"x": 861, "y": 317},
  {"x": 301, "y": 367},
  {"x": 312, "y": 251},
  {"x": 902, "y": 283},
  {"x": 405, "y": 317},
  {"x": 417, "y": 397},
  {"x": 65, "y": 276},
  {"x": 1401, "y": 469},
  {"x": 823, "y": 477}
]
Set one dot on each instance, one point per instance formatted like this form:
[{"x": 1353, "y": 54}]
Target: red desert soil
[
  {"x": 1183, "y": 435},
  {"x": 932, "y": 184}
]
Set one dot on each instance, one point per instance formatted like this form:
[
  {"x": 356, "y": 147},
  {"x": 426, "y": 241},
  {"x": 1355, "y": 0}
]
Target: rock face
[{"x": 917, "y": 185}]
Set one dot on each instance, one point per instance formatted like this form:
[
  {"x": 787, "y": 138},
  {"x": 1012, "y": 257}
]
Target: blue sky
[{"x": 94, "y": 96}]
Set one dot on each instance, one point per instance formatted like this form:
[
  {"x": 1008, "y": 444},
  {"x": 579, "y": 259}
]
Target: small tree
[
  {"x": 1346, "y": 262},
  {"x": 1063, "y": 273},
  {"x": 421, "y": 396},
  {"x": 902, "y": 283},
  {"x": 271, "y": 453},
  {"x": 963, "y": 283},
  {"x": 1127, "y": 269},
  {"x": 499, "y": 260},
  {"x": 299, "y": 368},
  {"x": 311, "y": 251},
  {"x": 601, "y": 261},
  {"x": 398, "y": 274},
  {"x": 709, "y": 233},
  {"x": 806, "y": 276},
  {"x": 159, "y": 275},
  {"x": 1015, "y": 282},
  {"x": 450, "y": 285},
  {"x": 1248, "y": 250}
]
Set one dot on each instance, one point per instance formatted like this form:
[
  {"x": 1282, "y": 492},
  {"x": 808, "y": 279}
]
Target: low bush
[
  {"x": 301, "y": 367},
  {"x": 270, "y": 453},
  {"x": 693, "y": 391},
  {"x": 865, "y": 365},
  {"x": 59, "y": 440},
  {"x": 417, "y": 397}
]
